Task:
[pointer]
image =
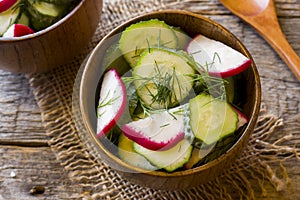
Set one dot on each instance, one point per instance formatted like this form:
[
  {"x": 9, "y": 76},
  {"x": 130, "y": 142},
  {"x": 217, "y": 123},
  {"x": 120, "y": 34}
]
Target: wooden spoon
[{"x": 261, "y": 15}]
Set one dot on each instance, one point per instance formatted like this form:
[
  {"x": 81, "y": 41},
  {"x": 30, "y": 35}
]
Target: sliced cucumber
[
  {"x": 162, "y": 78},
  {"x": 114, "y": 59},
  {"x": 230, "y": 89},
  {"x": 145, "y": 34},
  {"x": 182, "y": 38},
  {"x": 44, "y": 14},
  {"x": 23, "y": 19},
  {"x": 170, "y": 159},
  {"x": 9, "y": 17},
  {"x": 197, "y": 155},
  {"x": 211, "y": 119},
  {"x": 128, "y": 155}
]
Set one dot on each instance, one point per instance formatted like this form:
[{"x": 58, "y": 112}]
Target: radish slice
[
  {"x": 159, "y": 131},
  {"x": 6, "y": 4},
  {"x": 112, "y": 102},
  {"x": 243, "y": 119},
  {"x": 18, "y": 30},
  {"x": 216, "y": 57}
]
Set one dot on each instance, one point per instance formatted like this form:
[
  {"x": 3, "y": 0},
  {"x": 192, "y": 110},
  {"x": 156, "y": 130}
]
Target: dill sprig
[
  {"x": 215, "y": 86},
  {"x": 147, "y": 111},
  {"x": 160, "y": 87},
  {"x": 204, "y": 68},
  {"x": 164, "y": 84},
  {"x": 163, "y": 87}
]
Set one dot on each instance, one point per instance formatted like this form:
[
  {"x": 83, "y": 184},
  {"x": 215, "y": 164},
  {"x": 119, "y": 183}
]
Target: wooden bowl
[
  {"x": 192, "y": 24},
  {"x": 53, "y": 46}
]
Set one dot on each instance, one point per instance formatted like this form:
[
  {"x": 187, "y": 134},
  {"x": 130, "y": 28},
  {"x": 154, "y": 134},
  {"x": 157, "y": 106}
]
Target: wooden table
[{"x": 26, "y": 160}]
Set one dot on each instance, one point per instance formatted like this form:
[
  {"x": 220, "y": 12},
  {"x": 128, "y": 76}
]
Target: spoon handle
[
  {"x": 277, "y": 40},
  {"x": 266, "y": 23}
]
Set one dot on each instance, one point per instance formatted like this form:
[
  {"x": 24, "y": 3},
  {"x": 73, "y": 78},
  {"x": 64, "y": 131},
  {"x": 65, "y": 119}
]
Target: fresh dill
[
  {"x": 159, "y": 38},
  {"x": 216, "y": 55},
  {"x": 213, "y": 85},
  {"x": 164, "y": 125},
  {"x": 179, "y": 112},
  {"x": 179, "y": 149},
  {"x": 160, "y": 88},
  {"x": 147, "y": 111},
  {"x": 105, "y": 102}
]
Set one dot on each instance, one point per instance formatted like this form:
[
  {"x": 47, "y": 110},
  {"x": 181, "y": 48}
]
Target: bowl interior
[{"x": 249, "y": 87}]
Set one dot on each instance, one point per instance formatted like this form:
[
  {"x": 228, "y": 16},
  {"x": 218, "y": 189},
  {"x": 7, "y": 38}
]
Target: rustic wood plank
[
  {"x": 20, "y": 117},
  {"x": 23, "y": 168}
]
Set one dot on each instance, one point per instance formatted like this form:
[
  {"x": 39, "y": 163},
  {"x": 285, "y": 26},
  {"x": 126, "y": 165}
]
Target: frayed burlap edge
[{"x": 53, "y": 92}]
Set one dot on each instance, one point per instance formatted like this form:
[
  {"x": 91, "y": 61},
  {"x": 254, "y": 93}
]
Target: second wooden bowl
[{"x": 53, "y": 46}]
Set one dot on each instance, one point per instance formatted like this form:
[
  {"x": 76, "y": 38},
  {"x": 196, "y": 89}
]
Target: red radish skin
[
  {"x": 18, "y": 30},
  {"x": 113, "y": 95},
  {"x": 232, "y": 72},
  {"x": 159, "y": 131},
  {"x": 21, "y": 30},
  {"x": 243, "y": 119},
  {"x": 6, "y": 4},
  {"x": 140, "y": 139},
  {"x": 227, "y": 61}
]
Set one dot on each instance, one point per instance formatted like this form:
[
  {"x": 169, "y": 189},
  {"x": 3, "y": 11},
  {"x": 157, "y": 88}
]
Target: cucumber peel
[
  {"x": 145, "y": 34},
  {"x": 128, "y": 155},
  {"x": 211, "y": 119},
  {"x": 170, "y": 159}
]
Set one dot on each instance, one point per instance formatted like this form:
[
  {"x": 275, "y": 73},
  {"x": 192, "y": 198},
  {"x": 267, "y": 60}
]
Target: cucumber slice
[
  {"x": 182, "y": 38},
  {"x": 44, "y": 14},
  {"x": 170, "y": 159},
  {"x": 145, "y": 34},
  {"x": 9, "y": 17},
  {"x": 128, "y": 155},
  {"x": 197, "y": 155},
  {"x": 162, "y": 78},
  {"x": 23, "y": 19},
  {"x": 230, "y": 89},
  {"x": 211, "y": 119}
]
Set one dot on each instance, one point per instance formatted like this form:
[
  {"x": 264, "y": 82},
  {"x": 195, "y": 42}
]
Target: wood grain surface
[{"x": 29, "y": 170}]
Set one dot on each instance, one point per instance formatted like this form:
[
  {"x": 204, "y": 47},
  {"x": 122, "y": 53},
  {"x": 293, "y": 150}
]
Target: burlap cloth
[{"x": 259, "y": 164}]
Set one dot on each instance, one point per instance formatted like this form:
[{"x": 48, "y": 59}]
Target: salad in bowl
[{"x": 171, "y": 101}]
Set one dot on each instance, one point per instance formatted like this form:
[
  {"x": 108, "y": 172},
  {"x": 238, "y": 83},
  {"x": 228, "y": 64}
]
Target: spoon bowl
[
  {"x": 261, "y": 15},
  {"x": 250, "y": 7}
]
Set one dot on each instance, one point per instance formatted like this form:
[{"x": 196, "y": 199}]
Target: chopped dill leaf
[
  {"x": 164, "y": 125},
  {"x": 106, "y": 102},
  {"x": 216, "y": 55}
]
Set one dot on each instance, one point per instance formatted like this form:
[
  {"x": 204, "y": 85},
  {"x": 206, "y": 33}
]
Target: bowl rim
[
  {"x": 248, "y": 130},
  {"x": 45, "y": 30}
]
